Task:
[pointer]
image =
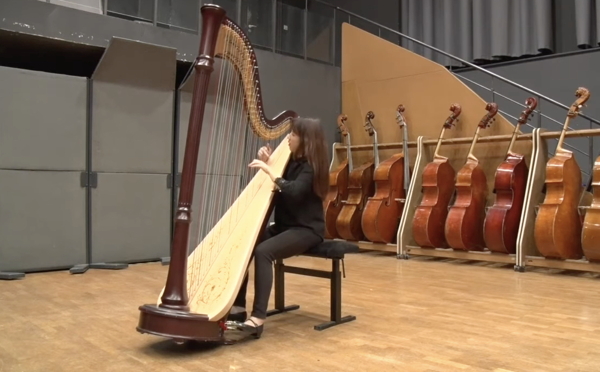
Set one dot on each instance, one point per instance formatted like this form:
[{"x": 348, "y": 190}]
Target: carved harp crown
[
  {"x": 233, "y": 45},
  {"x": 212, "y": 274}
]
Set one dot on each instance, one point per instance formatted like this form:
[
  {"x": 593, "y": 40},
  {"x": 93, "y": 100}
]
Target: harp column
[{"x": 175, "y": 294}]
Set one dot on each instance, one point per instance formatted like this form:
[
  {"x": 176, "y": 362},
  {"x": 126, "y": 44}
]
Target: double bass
[
  {"x": 502, "y": 221},
  {"x": 590, "y": 235},
  {"x": 438, "y": 188},
  {"x": 338, "y": 184},
  {"x": 381, "y": 216},
  {"x": 464, "y": 225},
  {"x": 558, "y": 223},
  {"x": 360, "y": 187}
]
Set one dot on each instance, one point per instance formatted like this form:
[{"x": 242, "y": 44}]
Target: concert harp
[{"x": 202, "y": 285}]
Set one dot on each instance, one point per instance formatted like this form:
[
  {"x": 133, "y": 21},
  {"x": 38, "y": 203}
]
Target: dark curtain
[
  {"x": 478, "y": 30},
  {"x": 587, "y": 14}
]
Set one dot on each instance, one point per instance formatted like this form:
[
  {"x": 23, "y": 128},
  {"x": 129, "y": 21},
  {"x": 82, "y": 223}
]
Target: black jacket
[{"x": 296, "y": 204}]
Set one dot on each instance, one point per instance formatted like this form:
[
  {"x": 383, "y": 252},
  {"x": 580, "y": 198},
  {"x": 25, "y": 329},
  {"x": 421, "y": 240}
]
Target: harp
[{"x": 201, "y": 286}]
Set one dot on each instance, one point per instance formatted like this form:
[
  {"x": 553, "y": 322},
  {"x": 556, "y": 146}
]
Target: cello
[
  {"x": 464, "y": 224},
  {"x": 438, "y": 188},
  {"x": 502, "y": 221},
  {"x": 338, "y": 184},
  {"x": 590, "y": 235},
  {"x": 381, "y": 216},
  {"x": 558, "y": 227},
  {"x": 360, "y": 187}
]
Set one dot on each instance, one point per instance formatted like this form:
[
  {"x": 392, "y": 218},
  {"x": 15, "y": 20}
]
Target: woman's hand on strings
[
  {"x": 256, "y": 163},
  {"x": 264, "y": 153}
]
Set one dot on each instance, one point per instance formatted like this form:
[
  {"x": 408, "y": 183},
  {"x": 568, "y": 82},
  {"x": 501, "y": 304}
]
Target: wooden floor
[{"x": 416, "y": 315}]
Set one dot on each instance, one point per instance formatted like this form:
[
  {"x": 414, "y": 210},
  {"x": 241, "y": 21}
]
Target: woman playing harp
[
  {"x": 299, "y": 216},
  {"x": 235, "y": 201}
]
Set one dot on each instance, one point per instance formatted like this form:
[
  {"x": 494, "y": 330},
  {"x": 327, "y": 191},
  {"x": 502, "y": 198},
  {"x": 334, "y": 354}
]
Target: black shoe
[
  {"x": 255, "y": 330},
  {"x": 238, "y": 317}
]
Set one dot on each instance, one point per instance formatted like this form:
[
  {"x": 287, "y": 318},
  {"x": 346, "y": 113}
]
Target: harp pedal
[{"x": 234, "y": 334}]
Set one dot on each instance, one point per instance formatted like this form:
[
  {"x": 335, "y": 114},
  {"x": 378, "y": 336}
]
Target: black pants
[{"x": 274, "y": 245}]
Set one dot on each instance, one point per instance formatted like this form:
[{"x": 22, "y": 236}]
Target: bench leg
[
  {"x": 336, "y": 299},
  {"x": 279, "y": 279}
]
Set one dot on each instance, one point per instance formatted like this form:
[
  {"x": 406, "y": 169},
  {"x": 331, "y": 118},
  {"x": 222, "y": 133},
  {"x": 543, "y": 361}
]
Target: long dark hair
[{"x": 313, "y": 147}]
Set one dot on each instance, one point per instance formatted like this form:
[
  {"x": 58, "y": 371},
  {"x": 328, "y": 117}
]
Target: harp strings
[
  {"x": 227, "y": 168},
  {"x": 205, "y": 189},
  {"x": 207, "y": 197}
]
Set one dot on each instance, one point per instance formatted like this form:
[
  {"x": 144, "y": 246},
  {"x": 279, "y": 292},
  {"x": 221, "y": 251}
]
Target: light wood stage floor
[{"x": 423, "y": 314}]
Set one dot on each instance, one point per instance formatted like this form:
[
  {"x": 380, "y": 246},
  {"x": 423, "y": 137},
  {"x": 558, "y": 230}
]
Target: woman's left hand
[
  {"x": 265, "y": 167},
  {"x": 259, "y": 164}
]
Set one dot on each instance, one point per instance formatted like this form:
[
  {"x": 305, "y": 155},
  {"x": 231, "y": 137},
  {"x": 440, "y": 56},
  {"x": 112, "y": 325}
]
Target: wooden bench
[{"x": 329, "y": 249}]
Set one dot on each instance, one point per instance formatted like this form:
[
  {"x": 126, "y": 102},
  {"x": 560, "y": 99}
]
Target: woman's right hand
[{"x": 264, "y": 153}]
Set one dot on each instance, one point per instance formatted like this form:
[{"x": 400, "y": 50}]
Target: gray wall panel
[
  {"x": 42, "y": 220},
  {"x": 131, "y": 129},
  {"x": 132, "y": 62},
  {"x": 43, "y": 122},
  {"x": 311, "y": 89},
  {"x": 130, "y": 217}
]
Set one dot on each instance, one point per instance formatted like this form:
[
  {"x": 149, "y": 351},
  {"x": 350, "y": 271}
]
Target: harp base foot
[
  {"x": 179, "y": 325},
  {"x": 80, "y": 269},
  {"x": 5, "y": 275}
]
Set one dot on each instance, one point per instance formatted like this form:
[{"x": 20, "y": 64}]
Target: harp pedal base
[
  {"x": 6, "y": 275},
  {"x": 179, "y": 326},
  {"x": 336, "y": 254},
  {"x": 80, "y": 269}
]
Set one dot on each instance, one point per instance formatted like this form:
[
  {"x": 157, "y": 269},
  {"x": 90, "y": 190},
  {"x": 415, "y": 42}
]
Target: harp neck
[{"x": 234, "y": 46}]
